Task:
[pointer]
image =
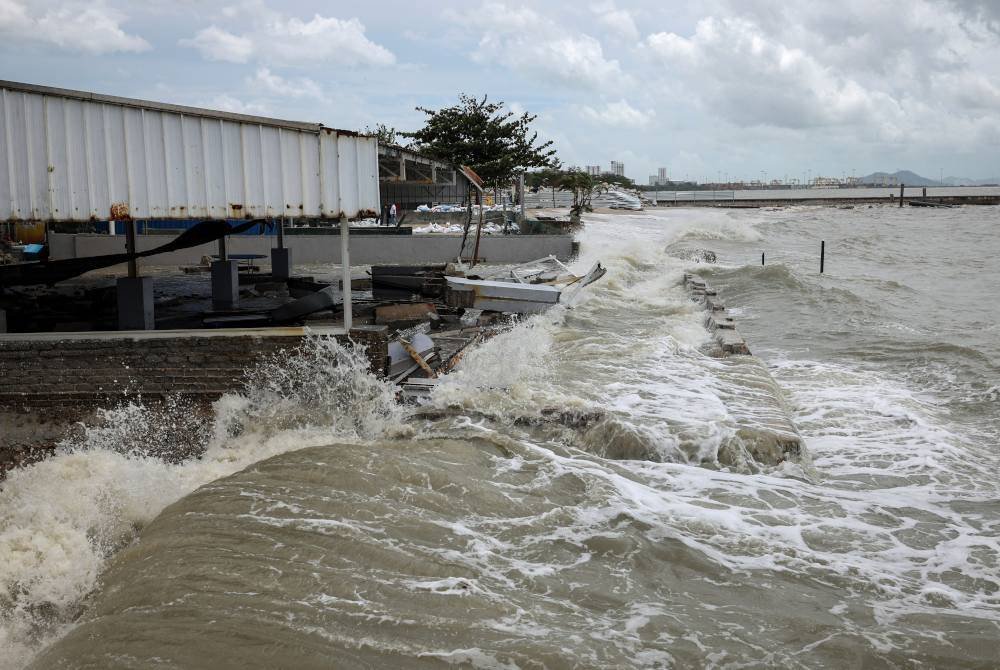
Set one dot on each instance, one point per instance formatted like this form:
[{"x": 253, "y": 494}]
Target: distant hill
[
  {"x": 899, "y": 177},
  {"x": 965, "y": 181}
]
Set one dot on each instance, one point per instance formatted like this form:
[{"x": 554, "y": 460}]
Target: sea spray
[{"x": 62, "y": 518}]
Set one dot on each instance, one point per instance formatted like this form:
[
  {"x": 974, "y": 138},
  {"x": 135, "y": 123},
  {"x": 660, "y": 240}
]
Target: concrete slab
[
  {"x": 225, "y": 284},
  {"x": 281, "y": 263},
  {"x": 721, "y": 319},
  {"x": 135, "y": 303},
  {"x": 420, "y": 311},
  {"x": 732, "y": 342}
]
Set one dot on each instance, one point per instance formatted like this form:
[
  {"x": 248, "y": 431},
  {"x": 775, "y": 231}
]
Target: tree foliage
[
  {"x": 582, "y": 185},
  {"x": 497, "y": 143},
  {"x": 386, "y": 135}
]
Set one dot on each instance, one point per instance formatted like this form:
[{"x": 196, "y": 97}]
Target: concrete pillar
[
  {"x": 3, "y": 321},
  {"x": 281, "y": 258},
  {"x": 135, "y": 303},
  {"x": 281, "y": 263},
  {"x": 225, "y": 284}
]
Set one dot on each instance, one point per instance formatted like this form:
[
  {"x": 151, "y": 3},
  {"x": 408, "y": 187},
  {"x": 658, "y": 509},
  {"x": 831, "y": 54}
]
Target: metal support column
[
  {"x": 281, "y": 258},
  {"x": 345, "y": 265},
  {"x": 133, "y": 262}
]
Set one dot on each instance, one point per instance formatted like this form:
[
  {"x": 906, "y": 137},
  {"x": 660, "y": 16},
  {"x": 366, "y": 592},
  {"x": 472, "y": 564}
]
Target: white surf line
[{"x": 757, "y": 402}]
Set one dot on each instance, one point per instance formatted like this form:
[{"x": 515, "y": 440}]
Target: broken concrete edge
[
  {"x": 722, "y": 326},
  {"x": 718, "y": 321}
]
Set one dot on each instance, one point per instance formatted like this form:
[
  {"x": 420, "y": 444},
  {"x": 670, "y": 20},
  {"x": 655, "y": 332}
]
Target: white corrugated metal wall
[{"x": 71, "y": 156}]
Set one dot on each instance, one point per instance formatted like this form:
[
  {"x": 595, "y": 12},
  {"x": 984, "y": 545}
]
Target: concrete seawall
[
  {"x": 754, "y": 400},
  {"x": 365, "y": 250},
  {"x": 53, "y": 380},
  {"x": 100, "y": 367}
]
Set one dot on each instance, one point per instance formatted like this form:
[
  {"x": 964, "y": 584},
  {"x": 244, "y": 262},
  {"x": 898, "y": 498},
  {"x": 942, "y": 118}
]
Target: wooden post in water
[
  {"x": 822, "y": 255},
  {"x": 762, "y": 258},
  {"x": 924, "y": 192},
  {"x": 901, "y": 187}
]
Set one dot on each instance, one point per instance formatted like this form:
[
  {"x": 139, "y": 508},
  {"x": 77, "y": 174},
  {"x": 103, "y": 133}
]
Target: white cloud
[
  {"x": 619, "y": 21},
  {"x": 325, "y": 39},
  {"x": 229, "y": 103},
  {"x": 278, "y": 39},
  {"x": 752, "y": 79},
  {"x": 299, "y": 87},
  {"x": 92, "y": 28},
  {"x": 214, "y": 43},
  {"x": 527, "y": 42},
  {"x": 618, "y": 114}
]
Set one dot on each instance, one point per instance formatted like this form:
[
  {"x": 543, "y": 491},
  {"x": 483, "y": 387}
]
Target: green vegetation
[{"x": 496, "y": 143}]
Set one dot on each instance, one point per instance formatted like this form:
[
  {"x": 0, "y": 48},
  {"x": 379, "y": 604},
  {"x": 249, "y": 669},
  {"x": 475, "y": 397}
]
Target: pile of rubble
[{"x": 438, "y": 312}]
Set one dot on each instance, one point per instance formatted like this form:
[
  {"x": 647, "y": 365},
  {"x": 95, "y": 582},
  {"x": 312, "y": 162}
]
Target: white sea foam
[
  {"x": 881, "y": 523},
  {"x": 61, "y": 519}
]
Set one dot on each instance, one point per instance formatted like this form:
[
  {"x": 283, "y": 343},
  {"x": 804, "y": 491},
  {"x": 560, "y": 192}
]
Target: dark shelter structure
[{"x": 409, "y": 179}]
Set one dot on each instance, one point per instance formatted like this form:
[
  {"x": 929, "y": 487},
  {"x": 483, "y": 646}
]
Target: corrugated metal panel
[{"x": 72, "y": 156}]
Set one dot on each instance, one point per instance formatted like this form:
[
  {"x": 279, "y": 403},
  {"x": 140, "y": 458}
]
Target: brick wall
[{"x": 95, "y": 368}]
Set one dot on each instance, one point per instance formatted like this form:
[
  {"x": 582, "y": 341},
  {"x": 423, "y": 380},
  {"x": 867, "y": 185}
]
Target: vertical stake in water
[
  {"x": 762, "y": 258},
  {"x": 901, "y": 187},
  {"x": 822, "y": 255}
]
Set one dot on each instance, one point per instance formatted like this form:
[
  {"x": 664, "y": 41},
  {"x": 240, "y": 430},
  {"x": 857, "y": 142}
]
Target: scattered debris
[
  {"x": 405, "y": 315},
  {"x": 325, "y": 299},
  {"x": 461, "y": 310},
  {"x": 501, "y": 296},
  {"x": 402, "y": 363}
]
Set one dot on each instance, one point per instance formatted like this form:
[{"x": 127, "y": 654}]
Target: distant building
[
  {"x": 825, "y": 182},
  {"x": 594, "y": 170},
  {"x": 618, "y": 168},
  {"x": 660, "y": 178}
]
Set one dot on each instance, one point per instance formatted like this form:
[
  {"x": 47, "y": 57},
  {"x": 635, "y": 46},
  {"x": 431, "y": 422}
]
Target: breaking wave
[
  {"x": 585, "y": 490},
  {"x": 62, "y": 518}
]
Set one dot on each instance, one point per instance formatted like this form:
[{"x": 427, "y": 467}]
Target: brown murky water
[{"x": 331, "y": 529}]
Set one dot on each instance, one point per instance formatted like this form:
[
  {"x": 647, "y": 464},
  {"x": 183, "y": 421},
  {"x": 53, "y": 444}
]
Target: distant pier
[{"x": 752, "y": 203}]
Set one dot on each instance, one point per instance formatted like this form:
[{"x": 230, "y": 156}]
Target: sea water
[{"x": 325, "y": 526}]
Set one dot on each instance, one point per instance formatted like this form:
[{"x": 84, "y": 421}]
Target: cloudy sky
[{"x": 735, "y": 88}]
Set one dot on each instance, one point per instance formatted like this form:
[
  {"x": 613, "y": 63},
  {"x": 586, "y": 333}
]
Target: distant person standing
[{"x": 392, "y": 214}]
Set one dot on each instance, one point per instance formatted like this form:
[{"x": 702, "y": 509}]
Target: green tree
[
  {"x": 582, "y": 185},
  {"x": 386, "y": 135},
  {"x": 495, "y": 142}
]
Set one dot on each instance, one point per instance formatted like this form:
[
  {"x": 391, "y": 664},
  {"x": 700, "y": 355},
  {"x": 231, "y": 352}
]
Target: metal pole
[
  {"x": 762, "y": 258},
  {"x": 822, "y": 255},
  {"x": 133, "y": 264},
  {"x": 901, "y": 187},
  {"x": 345, "y": 268},
  {"x": 521, "y": 186},
  {"x": 479, "y": 230}
]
